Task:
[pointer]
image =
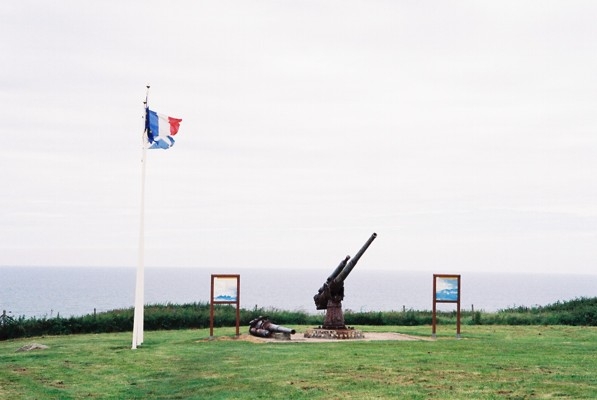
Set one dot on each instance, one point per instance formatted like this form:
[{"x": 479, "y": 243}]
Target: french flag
[{"x": 161, "y": 129}]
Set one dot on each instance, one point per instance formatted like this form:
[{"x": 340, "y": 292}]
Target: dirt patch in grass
[{"x": 298, "y": 338}]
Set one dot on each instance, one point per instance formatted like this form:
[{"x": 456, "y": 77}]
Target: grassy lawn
[{"x": 489, "y": 362}]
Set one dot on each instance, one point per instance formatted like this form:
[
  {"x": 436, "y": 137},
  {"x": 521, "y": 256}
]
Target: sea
[{"x": 46, "y": 292}]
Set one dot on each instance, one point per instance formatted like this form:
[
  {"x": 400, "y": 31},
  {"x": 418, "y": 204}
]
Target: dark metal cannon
[
  {"x": 263, "y": 327},
  {"x": 329, "y": 297}
]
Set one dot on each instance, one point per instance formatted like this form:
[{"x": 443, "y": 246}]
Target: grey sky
[{"x": 463, "y": 132}]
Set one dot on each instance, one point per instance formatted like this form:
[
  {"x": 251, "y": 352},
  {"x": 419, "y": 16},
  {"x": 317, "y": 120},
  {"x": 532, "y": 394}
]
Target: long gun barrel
[
  {"x": 282, "y": 329},
  {"x": 351, "y": 264}
]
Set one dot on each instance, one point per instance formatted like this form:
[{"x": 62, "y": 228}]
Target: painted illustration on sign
[
  {"x": 225, "y": 289},
  {"x": 446, "y": 289}
]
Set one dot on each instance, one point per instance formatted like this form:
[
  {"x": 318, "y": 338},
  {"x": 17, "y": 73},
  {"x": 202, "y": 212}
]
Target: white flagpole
[{"x": 140, "y": 283}]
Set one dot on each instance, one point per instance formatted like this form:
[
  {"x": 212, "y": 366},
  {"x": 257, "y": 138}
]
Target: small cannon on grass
[{"x": 263, "y": 327}]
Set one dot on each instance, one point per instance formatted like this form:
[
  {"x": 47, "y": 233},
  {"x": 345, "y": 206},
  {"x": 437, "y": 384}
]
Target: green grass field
[{"x": 489, "y": 362}]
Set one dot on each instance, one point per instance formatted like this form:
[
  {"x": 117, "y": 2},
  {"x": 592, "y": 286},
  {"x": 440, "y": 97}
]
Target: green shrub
[{"x": 581, "y": 312}]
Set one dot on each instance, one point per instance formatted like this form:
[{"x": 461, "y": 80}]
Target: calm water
[{"x": 37, "y": 291}]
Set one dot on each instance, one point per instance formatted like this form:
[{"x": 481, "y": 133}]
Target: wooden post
[
  {"x": 458, "y": 311},
  {"x": 238, "y": 306},
  {"x": 211, "y": 310},
  {"x": 433, "y": 316}
]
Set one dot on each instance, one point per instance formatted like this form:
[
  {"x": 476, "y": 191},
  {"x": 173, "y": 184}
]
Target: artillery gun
[
  {"x": 329, "y": 297},
  {"x": 263, "y": 327}
]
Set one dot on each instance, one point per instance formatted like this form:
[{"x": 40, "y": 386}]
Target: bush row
[{"x": 581, "y": 311}]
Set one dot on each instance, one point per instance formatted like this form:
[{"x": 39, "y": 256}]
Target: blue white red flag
[{"x": 160, "y": 130}]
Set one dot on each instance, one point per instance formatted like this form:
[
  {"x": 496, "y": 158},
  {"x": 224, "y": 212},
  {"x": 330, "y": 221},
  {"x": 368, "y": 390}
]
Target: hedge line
[{"x": 582, "y": 311}]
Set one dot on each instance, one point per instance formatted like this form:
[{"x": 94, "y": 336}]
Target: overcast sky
[{"x": 463, "y": 132}]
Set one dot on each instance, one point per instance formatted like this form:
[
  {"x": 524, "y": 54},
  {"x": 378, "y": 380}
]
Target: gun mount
[
  {"x": 263, "y": 327},
  {"x": 330, "y": 295}
]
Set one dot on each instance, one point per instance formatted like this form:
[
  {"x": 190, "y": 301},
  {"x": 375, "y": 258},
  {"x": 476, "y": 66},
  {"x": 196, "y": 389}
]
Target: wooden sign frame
[
  {"x": 446, "y": 289},
  {"x": 225, "y": 289}
]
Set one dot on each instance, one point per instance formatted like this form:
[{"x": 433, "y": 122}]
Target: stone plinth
[{"x": 321, "y": 333}]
